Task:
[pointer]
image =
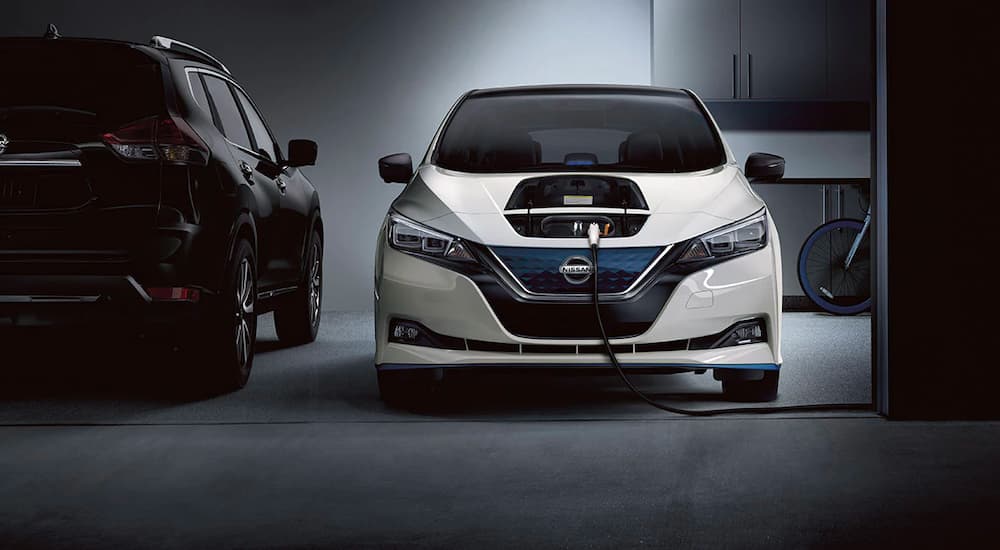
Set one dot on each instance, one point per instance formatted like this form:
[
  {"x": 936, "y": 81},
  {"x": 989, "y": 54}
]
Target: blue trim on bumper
[{"x": 692, "y": 366}]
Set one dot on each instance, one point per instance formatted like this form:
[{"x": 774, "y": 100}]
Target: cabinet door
[
  {"x": 696, "y": 46},
  {"x": 849, "y": 49},
  {"x": 784, "y": 49}
]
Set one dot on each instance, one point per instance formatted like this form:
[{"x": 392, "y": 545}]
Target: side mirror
[
  {"x": 763, "y": 167},
  {"x": 302, "y": 152},
  {"x": 396, "y": 168}
]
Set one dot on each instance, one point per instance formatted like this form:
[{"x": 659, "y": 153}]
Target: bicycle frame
[{"x": 857, "y": 240}]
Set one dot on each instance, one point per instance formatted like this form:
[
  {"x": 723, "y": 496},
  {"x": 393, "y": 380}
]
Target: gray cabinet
[
  {"x": 696, "y": 45},
  {"x": 849, "y": 47},
  {"x": 784, "y": 45},
  {"x": 764, "y": 49}
]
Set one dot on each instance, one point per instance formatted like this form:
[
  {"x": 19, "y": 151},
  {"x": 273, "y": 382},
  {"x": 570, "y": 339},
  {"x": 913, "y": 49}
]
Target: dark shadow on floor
[{"x": 91, "y": 365}]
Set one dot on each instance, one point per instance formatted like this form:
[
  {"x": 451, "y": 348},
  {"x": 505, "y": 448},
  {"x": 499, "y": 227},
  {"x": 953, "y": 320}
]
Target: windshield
[{"x": 560, "y": 130}]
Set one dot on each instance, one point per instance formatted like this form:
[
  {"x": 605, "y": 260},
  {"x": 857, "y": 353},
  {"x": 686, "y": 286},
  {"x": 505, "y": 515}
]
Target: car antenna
[{"x": 52, "y": 32}]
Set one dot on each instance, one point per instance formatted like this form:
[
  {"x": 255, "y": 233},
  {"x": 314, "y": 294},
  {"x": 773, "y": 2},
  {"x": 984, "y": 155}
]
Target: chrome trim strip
[
  {"x": 138, "y": 289},
  {"x": 24, "y": 299},
  {"x": 41, "y": 162},
  {"x": 576, "y": 210},
  {"x": 276, "y": 292},
  {"x": 629, "y": 292}
]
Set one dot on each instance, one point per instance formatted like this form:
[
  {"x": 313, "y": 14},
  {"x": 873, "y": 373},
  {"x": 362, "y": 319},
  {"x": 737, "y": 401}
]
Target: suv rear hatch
[{"x": 67, "y": 200}]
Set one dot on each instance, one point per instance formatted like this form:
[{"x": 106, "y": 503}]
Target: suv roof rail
[{"x": 165, "y": 43}]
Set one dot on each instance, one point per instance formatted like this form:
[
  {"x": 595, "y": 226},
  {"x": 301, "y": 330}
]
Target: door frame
[{"x": 880, "y": 245}]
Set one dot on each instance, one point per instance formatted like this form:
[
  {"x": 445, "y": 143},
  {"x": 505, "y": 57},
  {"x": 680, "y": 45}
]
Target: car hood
[{"x": 681, "y": 206}]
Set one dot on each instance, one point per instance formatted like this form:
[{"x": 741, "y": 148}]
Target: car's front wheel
[{"x": 764, "y": 389}]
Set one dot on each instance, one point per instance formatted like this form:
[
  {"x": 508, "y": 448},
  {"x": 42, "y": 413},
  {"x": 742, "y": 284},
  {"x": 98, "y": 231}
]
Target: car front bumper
[{"x": 703, "y": 303}]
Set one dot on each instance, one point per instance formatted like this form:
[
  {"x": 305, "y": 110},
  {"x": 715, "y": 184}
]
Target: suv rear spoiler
[{"x": 165, "y": 43}]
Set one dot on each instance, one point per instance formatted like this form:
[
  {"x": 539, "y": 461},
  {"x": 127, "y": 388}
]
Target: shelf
[{"x": 767, "y": 114}]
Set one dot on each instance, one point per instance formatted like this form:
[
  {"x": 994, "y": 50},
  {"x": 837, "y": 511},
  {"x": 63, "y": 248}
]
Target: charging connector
[
  {"x": 594, "y": 240},
  {"x": 594, "y": 235}
]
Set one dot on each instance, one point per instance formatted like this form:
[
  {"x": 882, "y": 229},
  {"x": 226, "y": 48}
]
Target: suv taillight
[{"x": 158, "y": 138}]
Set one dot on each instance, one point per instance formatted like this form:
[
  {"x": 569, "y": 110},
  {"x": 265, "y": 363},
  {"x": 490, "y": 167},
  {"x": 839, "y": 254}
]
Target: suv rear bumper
[{"x": 87, "y": 300}]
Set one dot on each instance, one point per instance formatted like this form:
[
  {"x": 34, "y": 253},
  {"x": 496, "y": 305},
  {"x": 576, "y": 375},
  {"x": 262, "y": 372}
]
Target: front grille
[{"x": 537, "y": 269}]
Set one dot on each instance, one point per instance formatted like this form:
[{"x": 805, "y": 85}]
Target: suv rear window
[
  {"x": 586, "y": 130},
  {"x": 107, "y": 84}
]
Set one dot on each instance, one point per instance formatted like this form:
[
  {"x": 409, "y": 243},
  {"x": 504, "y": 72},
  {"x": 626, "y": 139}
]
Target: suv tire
[
  {"x": 231, "y": 330},
  {"x": 297, "y": 319}
]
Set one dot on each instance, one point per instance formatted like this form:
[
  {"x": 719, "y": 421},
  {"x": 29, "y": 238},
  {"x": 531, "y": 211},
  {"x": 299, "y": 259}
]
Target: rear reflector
[{"x": 174, "y": 294}]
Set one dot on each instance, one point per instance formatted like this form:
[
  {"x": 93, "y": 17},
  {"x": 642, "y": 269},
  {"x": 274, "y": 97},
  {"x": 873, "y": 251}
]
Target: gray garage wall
[{"x": 367, "y": 78}]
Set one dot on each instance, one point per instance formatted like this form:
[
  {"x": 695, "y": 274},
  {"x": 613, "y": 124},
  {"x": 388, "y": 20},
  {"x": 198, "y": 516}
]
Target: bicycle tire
[{"x": 840, "y": 234}]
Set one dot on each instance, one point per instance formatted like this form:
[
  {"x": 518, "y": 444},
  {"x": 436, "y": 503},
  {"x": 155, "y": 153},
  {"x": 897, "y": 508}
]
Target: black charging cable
[{"x": 593, "y": 237}]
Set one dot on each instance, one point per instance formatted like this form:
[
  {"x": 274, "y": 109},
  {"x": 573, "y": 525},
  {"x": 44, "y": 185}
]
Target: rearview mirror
[
  {"x": 302, "y": 152},
  {"x": 762, "y": 167},
  {"x": 396, "y": 168}
]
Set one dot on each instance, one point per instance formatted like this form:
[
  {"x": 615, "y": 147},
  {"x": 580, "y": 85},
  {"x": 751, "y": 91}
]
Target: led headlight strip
[
  {"x": 409, "y": 236},
  {"x": 732, "y": 240}
]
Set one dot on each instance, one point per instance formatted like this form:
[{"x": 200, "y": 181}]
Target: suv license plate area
[{"x": 17, "y": 194}]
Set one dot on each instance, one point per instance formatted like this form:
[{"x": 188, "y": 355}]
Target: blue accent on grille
[{"x": 538, "y": 268}]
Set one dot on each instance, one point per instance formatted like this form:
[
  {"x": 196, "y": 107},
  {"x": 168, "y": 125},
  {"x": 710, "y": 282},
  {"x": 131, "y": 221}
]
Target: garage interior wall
[{"x": 367, "y": 79}]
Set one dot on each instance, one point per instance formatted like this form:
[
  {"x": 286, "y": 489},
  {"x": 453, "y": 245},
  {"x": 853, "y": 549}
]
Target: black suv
[{"x": 140, "y": 187}]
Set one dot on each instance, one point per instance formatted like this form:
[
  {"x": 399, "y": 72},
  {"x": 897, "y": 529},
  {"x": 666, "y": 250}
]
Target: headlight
[
  {"x": 409, "y": 236},
  {"x": 739, "y": 238}
]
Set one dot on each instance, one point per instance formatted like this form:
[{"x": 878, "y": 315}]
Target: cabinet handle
[
  {"x": 736, "y": 74},
  {"x": 749, "y": 75}
]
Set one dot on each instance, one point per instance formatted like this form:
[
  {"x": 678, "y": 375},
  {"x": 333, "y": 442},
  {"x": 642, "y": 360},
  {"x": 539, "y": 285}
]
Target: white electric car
[{"x": 483, "y": 259}]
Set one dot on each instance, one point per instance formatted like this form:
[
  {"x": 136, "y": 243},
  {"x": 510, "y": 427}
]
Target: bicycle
[{"x": 834, "y": 266}]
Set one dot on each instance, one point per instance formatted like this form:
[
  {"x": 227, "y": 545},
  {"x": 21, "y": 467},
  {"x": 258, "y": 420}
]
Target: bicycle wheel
[{"x": 825, "y": 280}]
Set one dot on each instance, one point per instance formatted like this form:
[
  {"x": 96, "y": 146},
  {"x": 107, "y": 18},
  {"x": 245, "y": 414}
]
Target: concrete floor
[
  {"x": 827, "y": 360},
  {"x": 101, "y": 450}
]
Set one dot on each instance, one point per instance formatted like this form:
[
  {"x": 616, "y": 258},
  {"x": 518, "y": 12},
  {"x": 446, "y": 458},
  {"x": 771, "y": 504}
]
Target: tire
[
  {"x": 230, "y": 332},
  {"x": 406, "y": 387},
  {"x": 298, "y": 317},
  {"x": 820, "y": 267},
  {"x": 765, "y": 389}
]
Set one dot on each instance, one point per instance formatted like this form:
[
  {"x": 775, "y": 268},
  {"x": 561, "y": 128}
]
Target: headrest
[
  {"x": 511, "y": 149},
  {"x": 641, "y": 148}
]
